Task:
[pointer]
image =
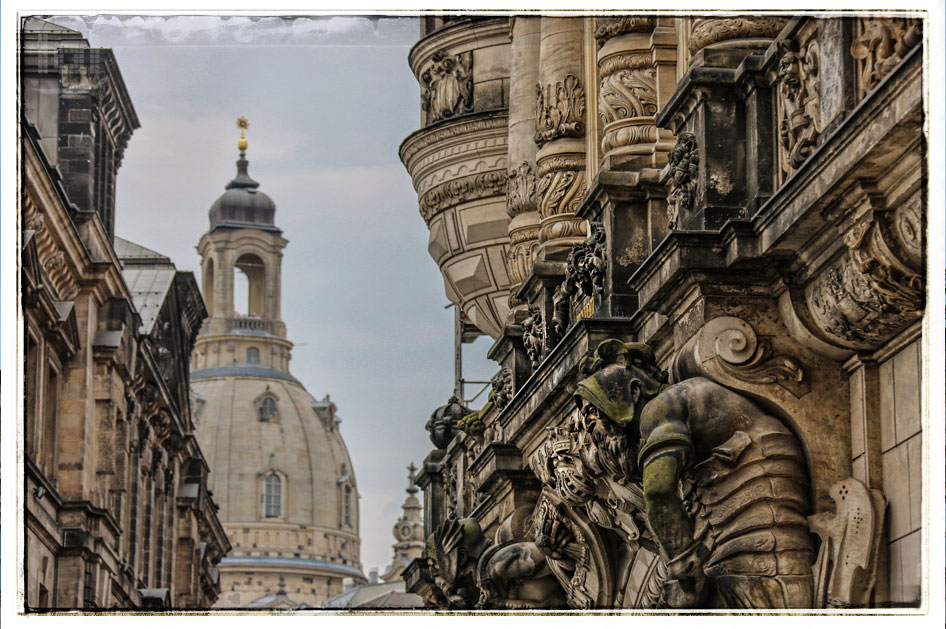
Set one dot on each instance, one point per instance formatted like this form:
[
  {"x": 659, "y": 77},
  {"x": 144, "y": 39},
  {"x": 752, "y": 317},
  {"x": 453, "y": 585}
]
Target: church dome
[{"x": 242, "y": 204}]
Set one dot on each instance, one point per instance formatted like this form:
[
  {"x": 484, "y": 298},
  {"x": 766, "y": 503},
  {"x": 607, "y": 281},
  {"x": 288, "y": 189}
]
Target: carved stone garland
[
  {"x": 456, "y": 191},
  {"x": 684, "y": 162},
  {"x": 447, "y": 86},
  {"x": 799, "y": 105},
  {"x": 533, "y": 336},
  {"x": 560, "y": 110},
  {"x": 584, "y": 276},
  {"x": 502, "y": 388}
]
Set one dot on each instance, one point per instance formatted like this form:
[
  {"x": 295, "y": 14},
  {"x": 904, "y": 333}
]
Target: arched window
[
  {"x": 266, "y": 406},
  {"x": 272, "y": 496},
  {"x": 346, "y": 510},
  {"x": 252, "y": 355}
]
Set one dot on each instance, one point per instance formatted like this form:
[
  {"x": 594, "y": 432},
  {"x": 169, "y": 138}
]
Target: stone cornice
[{"x": 451, "y": 129}]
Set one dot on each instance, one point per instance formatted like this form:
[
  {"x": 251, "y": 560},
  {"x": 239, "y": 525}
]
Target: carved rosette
[
  {"x": 627, "y": 103},
  {"x": 879, "y": 45},
  {"x": 734, "y": 32},
  {"x": 879, "y": 287},
  {"x": 608, "y": 27},
  {"x": 447, "y": 86},
  {"x": 799, "y": 104},
  {"x": 684, "y": 161},
  {"x": 559, "y": 110}
]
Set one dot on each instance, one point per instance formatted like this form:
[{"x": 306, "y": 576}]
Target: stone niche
[{"x": 458, "y": 163}]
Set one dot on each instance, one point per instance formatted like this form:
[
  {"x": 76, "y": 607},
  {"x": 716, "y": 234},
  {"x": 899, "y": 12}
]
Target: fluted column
[
  {"x": 559, "y": 133},
  {"x": 521, "y": 202}
]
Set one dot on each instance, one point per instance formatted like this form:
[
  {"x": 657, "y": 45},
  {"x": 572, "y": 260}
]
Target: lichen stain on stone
[
  {"x": 633, "y": 255},
  {"x": 721, "y": 182}
]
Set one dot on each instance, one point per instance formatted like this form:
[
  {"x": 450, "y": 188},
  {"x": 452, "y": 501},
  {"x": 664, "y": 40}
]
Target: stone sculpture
[{"x": 717, "y": 485}]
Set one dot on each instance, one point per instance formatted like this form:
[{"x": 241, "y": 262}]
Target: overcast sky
[{"x": 329, "y": 101}]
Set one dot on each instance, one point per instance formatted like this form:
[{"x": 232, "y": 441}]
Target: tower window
[
  {"x": 272, "y": 497},
  {"x": 252, "y": 355},
  {"x": 347, "y": 506}
]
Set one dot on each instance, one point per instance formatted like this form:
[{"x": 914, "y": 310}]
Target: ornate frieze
[
  {"x": 447, "y": 86},
  {"x": 709, "y": 31},
  {"x": 608, "y": 27},
  {"x": 879, "y": 45},
  {"x": 559, "y": 110},
  {"x": 684, "y": 161},
  {"x": 799, "y": 105},
  {"x": 461, "y": 190}
]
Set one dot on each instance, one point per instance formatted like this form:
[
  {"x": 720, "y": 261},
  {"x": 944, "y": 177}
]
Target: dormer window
[{"x": 267, "y": 408}]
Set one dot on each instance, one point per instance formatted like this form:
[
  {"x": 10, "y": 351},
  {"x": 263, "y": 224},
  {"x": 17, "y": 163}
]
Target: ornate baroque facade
[
  {"x": 699, "y": 245},
  {"x": 117, "y": 511}
]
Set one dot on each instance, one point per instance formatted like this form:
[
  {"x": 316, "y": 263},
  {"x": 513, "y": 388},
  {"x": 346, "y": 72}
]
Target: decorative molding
[
  {"x": 846, "y": 567},
  {"x": 628, "y": 92},
  {"x": 728, "y": 346},
  {"x": 521, "y": 254},
  {"x": 447, "y": 86},
  {"x": 584, "y": 276},
  {"x": 708, "y": 31},
  {"x": 420, "y": 140},
  {"x": 684, "y": 161},
  {"x": 799, "y": 105},
  {"x": 521, "y": 190},
  {"x": 559, "y": 110},
  {"x": 878, "y": 288},
  {"x": 468, "y": 188},
  {"x": 879, "y": 45},
  {"x": 608, "y": 27}
]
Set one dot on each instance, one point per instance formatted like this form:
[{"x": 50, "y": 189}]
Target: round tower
[{"x": 280, "y": 470}]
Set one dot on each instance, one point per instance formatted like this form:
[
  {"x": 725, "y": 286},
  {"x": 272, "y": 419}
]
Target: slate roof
[{"x": 149, "y": 276}]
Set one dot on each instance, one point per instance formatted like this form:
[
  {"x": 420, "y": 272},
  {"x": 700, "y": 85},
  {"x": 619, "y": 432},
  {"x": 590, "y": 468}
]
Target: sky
[{"x": 329, "y": 101}]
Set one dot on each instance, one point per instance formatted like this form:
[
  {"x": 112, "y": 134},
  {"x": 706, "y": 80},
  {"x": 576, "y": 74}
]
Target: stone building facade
[
  {"x": 280, "y": 469},
  {"x": 699, "y": 245},
  {"x": 117, "y": 512}
]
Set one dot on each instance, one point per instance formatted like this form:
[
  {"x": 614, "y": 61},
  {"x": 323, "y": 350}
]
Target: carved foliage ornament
[
  {"x": 560, "y": 110},
  {"x": 684, "y": 161},
  {"x": 447, "y": 86},
  {"x": 881, "y": 44},
  {"x": 584, "y": 275},
  {"x": 533, "y": 336},
  {"x": 456, "y": 191},
  {"x": 799, "y": 105},
  {"x": 628, "y": 88},
  {"x": 608, "y": 27},
  {"x": 502, "y": 388},
  {"x": 561, "y": 185},
  {"x": 523, "y": 245},
  {"x": 709, "y": 31},
  {"x": 521, "y": 190}
]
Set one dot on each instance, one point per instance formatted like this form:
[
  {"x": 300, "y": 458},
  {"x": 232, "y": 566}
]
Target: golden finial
[{"x": 242, "y": 124}]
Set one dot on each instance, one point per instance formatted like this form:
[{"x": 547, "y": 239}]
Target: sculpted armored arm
[{"x": 666, "y": 450}]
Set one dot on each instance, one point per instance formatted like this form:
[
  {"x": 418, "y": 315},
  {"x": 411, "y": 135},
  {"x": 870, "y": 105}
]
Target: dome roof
[
  {"x": 243, "y": 205},
  {"x": 299, "y": 440}
]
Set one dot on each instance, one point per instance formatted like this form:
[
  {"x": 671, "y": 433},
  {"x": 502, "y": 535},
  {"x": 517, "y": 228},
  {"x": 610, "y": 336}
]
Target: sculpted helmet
[{"x": 621, "y": 376}]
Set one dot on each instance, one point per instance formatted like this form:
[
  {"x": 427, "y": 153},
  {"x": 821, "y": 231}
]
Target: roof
[
  {"x": 243, "y": 371},
  {"x": 293, "y": 562},
  {"x": 36, "y": 25},
  {"x": 374, "y": 593},
  {"x": 394, "y": 600},
  {"x": 149, "y": 276}
]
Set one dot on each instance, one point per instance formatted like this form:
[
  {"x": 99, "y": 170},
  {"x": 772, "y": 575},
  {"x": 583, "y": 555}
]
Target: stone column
[
  {"x": 521, "y": 202},
  {"x": 630, "y": 49},
  {"x": 725, "y": 41},
  {"x": 559, "y": 133}
]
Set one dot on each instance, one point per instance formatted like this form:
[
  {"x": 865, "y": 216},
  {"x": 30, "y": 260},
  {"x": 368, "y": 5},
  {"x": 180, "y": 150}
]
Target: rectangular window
[
  {"x": 272, "y": 496},
  {"x": 47, "y": 444}
]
